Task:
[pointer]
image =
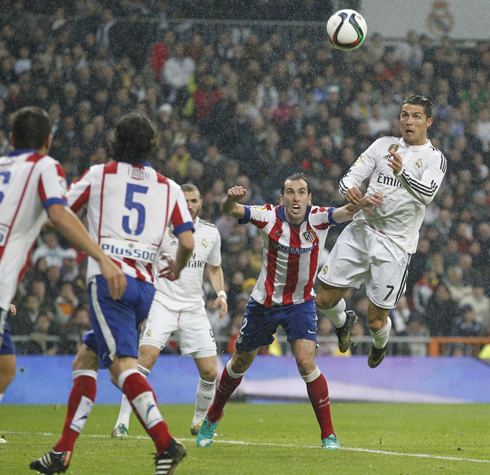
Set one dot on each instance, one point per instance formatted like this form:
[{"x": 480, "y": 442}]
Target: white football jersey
[
  {"x": 129, "y": 209},
  {"x": 405, "y": 195},
  {"x": 187, "y": 291},
  {"x": 29, "y": 184},
  {"x": 290, "y": 253}
]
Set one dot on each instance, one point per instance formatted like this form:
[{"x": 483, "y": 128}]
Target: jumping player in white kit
[
  {"x": 130, "y": 206},
  {"x": 178, "y": 308},
  {"x": 33, "y": 187},
  {"x": 376, "y": 248}
]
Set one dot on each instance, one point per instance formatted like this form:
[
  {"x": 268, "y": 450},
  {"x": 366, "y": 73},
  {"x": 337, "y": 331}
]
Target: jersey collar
[
  {"x": 16, "y": 153},
  {"x": 282, "y": 215}
]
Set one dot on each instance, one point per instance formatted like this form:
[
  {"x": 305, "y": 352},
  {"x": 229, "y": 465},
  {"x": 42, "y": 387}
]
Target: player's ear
[
  {"x": 281, "y": 200},
  {"x": 47, "y": 142},
  {"x": 430, "y": 120}
]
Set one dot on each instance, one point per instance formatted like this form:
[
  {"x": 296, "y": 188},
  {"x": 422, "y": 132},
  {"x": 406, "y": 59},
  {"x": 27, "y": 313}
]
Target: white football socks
[
  {"x": 204, "y": 398},
  {"x": 380, "y": 339},
  {"x": 336, "y": 313}
]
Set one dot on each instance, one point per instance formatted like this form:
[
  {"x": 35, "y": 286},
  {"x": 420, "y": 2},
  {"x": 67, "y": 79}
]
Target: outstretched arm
[
  {"x": 230, "y": 205},
  {"x": 347, "y": 212}
]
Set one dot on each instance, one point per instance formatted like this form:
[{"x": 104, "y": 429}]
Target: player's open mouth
[{"x": 296, "y": 207}]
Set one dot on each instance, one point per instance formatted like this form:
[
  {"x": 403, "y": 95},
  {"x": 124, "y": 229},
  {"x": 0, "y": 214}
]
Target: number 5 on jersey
[{"x": 131, "y": 204}]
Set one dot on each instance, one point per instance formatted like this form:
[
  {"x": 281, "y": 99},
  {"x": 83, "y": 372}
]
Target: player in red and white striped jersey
[
  {"x": 293, "y": 234},
  {"x": 33, "y": 187},
  {"x": 130, "y": 206}
]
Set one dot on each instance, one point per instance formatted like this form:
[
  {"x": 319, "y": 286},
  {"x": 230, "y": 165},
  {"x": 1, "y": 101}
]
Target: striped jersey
[
  {"x": 29, "y": 184},
  {"x": 128, "y": 209},
  {"x": 290, "y": 253},
  {"x": 405, "y": 195},
  {"x": 187, "y": 291}
]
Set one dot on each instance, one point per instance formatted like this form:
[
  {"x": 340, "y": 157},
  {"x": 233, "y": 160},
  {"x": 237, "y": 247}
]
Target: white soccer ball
[{"x": 346, "y": 30}]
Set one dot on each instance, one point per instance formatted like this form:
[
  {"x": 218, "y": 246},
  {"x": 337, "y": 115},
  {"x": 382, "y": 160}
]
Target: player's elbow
[{"x": 186, "y": 241}]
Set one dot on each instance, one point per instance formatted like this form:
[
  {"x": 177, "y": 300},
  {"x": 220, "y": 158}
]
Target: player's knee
[{"x": 325, "y": 298}]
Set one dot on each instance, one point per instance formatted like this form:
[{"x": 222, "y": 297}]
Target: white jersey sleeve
[
  {"x": 29, "y": 184},
  {"x": 425, "y": 188},
  {"x": 187, "y": 291}
]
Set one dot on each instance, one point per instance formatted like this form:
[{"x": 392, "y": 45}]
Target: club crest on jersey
[
  {"x": 324, "y": 269},
  {"x": 148, "y": 333},
  {"x": 63, "y": 187},
  {"x": 204, "y": 243},
  {"x": 309, "y": 236},
  {"x": 418, "y": 163}
]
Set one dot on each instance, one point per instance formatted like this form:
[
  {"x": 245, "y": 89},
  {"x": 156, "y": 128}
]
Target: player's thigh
[
  {"x": 347, "y": 263},
  {"x": 195, "y": 335},
  {"x": 161, "y": 323},
  {"x": 113, "y": 321},
  {"x": 258, "y": 327},
  {"x": 387, "y": 278}
]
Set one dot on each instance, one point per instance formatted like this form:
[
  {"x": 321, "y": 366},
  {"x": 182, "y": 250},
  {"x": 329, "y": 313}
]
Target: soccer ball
[{"x": 346, "y": 30}]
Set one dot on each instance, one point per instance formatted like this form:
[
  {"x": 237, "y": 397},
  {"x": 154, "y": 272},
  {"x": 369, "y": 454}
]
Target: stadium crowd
[{"x": 243, "y": 104}]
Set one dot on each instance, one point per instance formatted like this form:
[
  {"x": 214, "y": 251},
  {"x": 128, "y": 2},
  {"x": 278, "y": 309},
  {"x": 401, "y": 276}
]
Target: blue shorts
[
  {"x": 115, "y": 322},
  {"x": 6, "y": 345},
  {"x": 260, "y": 323}
]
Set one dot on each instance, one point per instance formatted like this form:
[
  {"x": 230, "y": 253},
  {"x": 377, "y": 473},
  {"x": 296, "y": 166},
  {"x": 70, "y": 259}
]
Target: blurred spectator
[
  {"x": 441, "y": 311},
  {"x": 49, "y": 250}
]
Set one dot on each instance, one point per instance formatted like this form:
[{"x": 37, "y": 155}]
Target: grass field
[{"x": 270, "y": 439}]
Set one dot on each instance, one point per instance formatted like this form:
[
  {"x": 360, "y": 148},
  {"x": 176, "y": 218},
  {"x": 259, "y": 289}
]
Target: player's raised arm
[
  {"x": 72, "y": 229},
  {"x": 347, "y": 212},
  {"x": 230, "y": 205}
]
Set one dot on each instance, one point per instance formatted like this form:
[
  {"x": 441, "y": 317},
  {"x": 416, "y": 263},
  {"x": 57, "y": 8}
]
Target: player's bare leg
[
  {"x": 206, "y": 389},
  {"x": 230, "y": 379},
  {"x": 379, "y": 326},
  {"x": 7, "y": 373},
  {"x": 316, "y": 385},
  {"x": 330, "y": 301}
]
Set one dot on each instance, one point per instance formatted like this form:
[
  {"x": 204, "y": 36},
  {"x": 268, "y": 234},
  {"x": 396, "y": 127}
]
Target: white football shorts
[
  {"x": 191, "y": 327},
  {"x": 362, "y": 254}
]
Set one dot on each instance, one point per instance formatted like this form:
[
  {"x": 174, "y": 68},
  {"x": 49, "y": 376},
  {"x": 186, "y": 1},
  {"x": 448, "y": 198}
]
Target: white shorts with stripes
[
  {"x": 191, "y": 327},
  {"x": 362, "y": 254}
]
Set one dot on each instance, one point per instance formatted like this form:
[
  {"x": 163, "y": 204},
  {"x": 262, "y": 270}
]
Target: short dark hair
[
  {"x": 418, "y": 100},
  {"x": 134, "y": 138},
  {"x": 31, "y": 126},
  {"x": 191, "y": 187},
  {"x": 295, "y": 177}
]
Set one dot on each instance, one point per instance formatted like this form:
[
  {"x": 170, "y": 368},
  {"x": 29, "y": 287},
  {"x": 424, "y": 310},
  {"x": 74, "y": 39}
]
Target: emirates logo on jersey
[
  {"x": 309, "y": 236},
  {"x": 204, "y": 243}
]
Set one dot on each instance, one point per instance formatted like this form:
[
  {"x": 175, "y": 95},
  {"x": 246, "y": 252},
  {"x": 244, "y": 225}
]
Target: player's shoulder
[
  {"x": 207, "y": 224},
  {"x": 388, "y": 140},
  {"x": 437, "y": 158}
]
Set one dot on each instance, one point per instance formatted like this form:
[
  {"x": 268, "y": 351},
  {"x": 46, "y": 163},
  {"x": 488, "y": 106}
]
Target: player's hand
[
  {"x": 353, "y": 195},
  {"x": 13, "y": 310},
  {"x": 223, "y": 306},
  {"x": 395, "y": 162},
  {"x": 116, "y": 280},
  {"x": 170, "y": 271},
  {"x": 236, "y": 193},
  {"x": 368, "y": 202}
]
